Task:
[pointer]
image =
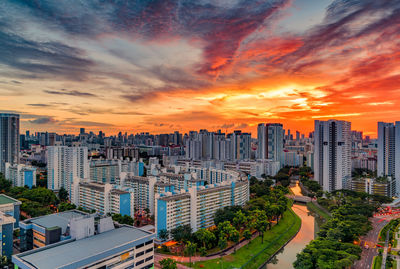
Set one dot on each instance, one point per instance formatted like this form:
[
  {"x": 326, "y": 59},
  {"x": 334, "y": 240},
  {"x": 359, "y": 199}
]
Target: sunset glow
[{"x": 159, "y": 66}]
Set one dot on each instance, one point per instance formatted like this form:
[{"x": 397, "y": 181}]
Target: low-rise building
[
  {"x": 380, "y": 186},
  {"x": 124, "y": 247},
  {"x": 11, "y": 207},
  {"x": 45, "y": 230},
  {"x": 6, "y": 234},
  {"x": 21, "y": 175}
]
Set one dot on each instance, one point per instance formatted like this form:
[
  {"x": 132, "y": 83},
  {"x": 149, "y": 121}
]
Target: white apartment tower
[
  {"x": 389, "y": 152},
  {"x": 9, "y": 140},
  {"x": 270, "y": 142},
  {"x": 64, "y": 164},
  {"x": 332, "y": 154}
]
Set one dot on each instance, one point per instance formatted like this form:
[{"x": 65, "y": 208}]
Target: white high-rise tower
[
  {"x": 64, "y": 164},
  {"x": 332, "y": 154}
]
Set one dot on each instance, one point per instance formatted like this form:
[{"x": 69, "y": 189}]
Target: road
[{"x": 371, "y": 239}]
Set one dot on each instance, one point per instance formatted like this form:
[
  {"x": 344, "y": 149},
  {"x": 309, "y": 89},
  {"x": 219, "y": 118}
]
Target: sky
[{"x": 163, "y": 65}]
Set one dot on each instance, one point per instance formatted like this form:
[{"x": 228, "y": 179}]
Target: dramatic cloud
[
  {"x": 70, "y": 92},
  {"x": 156, "y": 65},
  {"x": 43, "y": 120}
]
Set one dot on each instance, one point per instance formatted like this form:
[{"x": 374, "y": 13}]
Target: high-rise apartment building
[
  {"x": 64, "y": 164},
  {"x": 270, "y": 142},
  {"x": 9, "y": 140},
  {"x": 389, "y": 152},
  {"x": 332, "y": 154},
  {"x": 241, "y": 145}
]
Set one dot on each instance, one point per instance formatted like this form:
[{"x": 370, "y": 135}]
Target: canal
[{"x": 309, "y": 227}]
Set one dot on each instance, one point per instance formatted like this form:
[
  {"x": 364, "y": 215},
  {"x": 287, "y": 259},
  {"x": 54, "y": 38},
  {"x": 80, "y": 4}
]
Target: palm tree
[
  {"x": 163, "y": 234},
  {"x": 190, "y": 250}
]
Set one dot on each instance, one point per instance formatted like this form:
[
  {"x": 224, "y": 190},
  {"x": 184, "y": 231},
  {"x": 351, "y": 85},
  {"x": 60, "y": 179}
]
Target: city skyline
[{"x": 199, "y": 64}]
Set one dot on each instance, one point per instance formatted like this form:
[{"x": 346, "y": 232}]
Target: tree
[
  {"x": 234, "y": 237},
  {"x": 239, "y": 220},
  {"x": 261, "y": 223},
  {"x": 182, "y": 233},
  {"x": 204, "y": 236},
  {"x": 247, "y": 234},
  {"x": 163, "y": 234},
  {"x": 168, "y": 263},
  {"x": 225, "y": 214},
  {"x": 147, "y": 211},
  {"x": 190, "y": 250},
  {"x": 65, "y": 206},
  {"x": 63, "y": 194},
  {"x": 222, "y": 243},
  {"x": 225, "y": 229}
]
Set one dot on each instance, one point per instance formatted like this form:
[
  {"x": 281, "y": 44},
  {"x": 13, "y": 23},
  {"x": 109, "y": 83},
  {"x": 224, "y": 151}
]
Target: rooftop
[
  {"x": 80, "y": 250},
  {"x": 4, "y": 199},
  {"x": 57, "y": 220}
]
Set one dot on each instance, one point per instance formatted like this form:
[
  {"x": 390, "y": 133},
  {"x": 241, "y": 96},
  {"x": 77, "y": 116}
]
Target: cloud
[
  {"x": 42, "y": 59},
  {"x": 43, "y": 120},
  {"x": 89, "y": 124},
  {"x": 39, "y": 105},
  {"x": 71, "y": 93}
]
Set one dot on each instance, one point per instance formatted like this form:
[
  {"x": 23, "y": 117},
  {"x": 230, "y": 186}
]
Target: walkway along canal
[{"x": 309, "y": 227}]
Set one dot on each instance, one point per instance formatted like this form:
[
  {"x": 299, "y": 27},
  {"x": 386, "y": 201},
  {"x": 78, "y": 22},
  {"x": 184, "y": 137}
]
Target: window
[{"x": 139, "y": 263}]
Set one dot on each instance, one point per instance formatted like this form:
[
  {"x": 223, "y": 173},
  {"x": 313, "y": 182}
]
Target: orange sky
[{"x": 229, "y": 65}]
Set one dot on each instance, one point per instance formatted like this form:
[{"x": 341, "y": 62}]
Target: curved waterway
[{"x": 309, "y": 226}]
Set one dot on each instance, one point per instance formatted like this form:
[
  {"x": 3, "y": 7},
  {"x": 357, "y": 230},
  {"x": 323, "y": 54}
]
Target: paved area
[
  {"x": 159, "y": 256},
  {"x": 385, "y": 251},
  {"x": 371, "y": 239}
]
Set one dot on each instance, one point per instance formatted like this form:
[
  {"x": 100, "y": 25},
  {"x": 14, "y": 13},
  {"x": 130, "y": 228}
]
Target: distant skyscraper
[
  {"x": 332, "y": 154},
  {"x": 82, "y": 131},
  {"x": 64, "y": 164},
  {"x": 9, "y": 140},
  {"x": 270, "y": 141},
  {"x": 389, "y": 152},
  {"x": 241, "y": 145}
]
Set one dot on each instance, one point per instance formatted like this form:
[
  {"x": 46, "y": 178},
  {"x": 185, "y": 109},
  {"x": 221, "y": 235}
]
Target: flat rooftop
[
  {"x": 75, "y": 251},
  {"x": 59, "y": 219},
  {"x": 4, "y": 199}
]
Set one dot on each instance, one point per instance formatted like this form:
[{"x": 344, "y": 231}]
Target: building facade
[
  {"x": 123, "y": 247},
  {"x": 388, "y": 162},
  {"x": 9, "y": 140},
  {"x": 21, "y": 175},
  {"x": 332, "y": 154},
  {"x": 196, "y": 207},
  {"x": 6, "y": 231},
  {"x": 270, "y": 142},
  {"x": 64, "y": 164},
  {"x": 103, "y": 198}
]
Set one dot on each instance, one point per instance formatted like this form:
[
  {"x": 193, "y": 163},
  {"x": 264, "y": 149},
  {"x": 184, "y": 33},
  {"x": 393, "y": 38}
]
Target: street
[{"x": 371, "y": 239}]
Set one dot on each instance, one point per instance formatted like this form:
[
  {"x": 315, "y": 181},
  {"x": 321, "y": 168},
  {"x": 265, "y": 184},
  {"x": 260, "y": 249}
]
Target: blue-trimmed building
[
  {"x": 124, "y": 247},
  {"x": 21, "y": 175},
  {"x": 6, "y": 234},
  {"x": 197, "y": 206},
  {"x": 103, "y": 198},
  {"x": 11, "y": 207},
  {"x": 45, "y": 230}
]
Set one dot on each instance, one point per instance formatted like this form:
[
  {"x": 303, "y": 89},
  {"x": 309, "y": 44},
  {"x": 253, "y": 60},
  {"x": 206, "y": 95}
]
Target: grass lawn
[
  {"x": 274, "y": 239},
  {"x": 394, "y": 264},
  {"x": 317, "y": 210},
  {"x": 377, "y": 263}
]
